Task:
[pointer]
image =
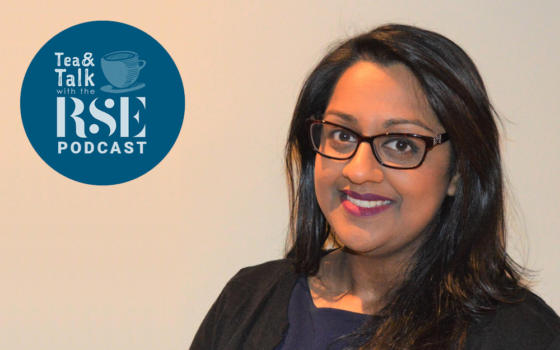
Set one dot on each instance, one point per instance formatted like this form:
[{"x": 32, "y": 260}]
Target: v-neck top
[{"x": 313, "y": 328}]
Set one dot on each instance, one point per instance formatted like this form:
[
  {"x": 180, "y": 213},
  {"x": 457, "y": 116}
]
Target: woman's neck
[{"x": 355, "y": 282}]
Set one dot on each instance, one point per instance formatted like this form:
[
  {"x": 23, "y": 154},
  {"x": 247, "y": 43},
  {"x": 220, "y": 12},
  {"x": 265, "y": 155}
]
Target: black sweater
[{"x": 252, "y": 313}]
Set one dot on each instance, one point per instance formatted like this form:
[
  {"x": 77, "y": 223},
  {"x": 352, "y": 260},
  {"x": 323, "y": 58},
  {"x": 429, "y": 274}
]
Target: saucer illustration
[{"x": 113, "y": 90}]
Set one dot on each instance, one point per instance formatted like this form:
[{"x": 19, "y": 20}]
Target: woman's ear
[{"x": 452, "y": 187}]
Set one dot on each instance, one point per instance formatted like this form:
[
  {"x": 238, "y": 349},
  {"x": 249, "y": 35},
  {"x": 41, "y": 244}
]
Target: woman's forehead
[{"x": 371, "y": 93}]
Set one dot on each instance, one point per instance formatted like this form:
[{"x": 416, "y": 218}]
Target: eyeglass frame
[{"x": 430, "y": 142}]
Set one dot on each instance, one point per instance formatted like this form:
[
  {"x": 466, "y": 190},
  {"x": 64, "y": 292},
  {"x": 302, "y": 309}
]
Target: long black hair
[{"x": 462, "y": 269}]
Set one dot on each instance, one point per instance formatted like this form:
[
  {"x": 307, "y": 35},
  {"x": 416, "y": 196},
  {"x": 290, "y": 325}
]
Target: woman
[{"x": 393, "y": 160}]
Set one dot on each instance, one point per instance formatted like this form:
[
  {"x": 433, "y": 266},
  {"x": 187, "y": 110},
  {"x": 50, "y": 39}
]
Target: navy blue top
[{"x": 313, "y": 328}]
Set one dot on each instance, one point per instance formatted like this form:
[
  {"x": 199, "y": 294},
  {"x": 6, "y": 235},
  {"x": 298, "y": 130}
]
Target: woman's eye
[
  {"x": 341, "y": 135},
  {"x": 401, "y": 145}
]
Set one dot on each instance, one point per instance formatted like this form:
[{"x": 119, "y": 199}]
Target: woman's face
[{"x": 373, "y": 209}]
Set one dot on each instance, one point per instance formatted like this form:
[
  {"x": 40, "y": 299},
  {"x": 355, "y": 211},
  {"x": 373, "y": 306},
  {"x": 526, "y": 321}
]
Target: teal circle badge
[{"x": 102, "y": 103}]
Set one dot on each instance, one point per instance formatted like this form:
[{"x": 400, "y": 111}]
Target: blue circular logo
[{"x": 102, "y": 103}]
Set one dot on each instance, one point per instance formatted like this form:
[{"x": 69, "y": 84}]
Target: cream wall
[{"x": 137, "y": 265}]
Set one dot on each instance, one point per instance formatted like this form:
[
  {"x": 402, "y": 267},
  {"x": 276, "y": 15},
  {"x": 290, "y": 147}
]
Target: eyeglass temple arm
[{"x": 440, "y": 138}]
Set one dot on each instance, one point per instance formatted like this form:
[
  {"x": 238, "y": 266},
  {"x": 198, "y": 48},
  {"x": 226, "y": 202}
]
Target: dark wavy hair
[{"x": 462, "y": 269}]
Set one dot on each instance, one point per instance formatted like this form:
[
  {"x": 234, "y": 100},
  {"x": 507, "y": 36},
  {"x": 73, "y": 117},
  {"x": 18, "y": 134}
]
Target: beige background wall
[{"x": 76, "y": 275}]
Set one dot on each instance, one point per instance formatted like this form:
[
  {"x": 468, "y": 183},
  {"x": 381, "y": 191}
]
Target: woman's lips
[{"x": 365, "y": 204}]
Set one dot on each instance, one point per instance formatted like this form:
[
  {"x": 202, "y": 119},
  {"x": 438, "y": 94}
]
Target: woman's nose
[{"x": 363, "y": 166}]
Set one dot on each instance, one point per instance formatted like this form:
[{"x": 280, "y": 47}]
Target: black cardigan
[{"x": 252, "y": 313}]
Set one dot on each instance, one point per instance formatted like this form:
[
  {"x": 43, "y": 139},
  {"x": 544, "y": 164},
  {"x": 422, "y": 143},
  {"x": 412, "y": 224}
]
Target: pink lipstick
[{"x": 365, "y": 204}]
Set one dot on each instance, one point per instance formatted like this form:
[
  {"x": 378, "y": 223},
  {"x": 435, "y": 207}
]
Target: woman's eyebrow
[
  {"x": 353, "y": 120},
  {"x": 345, "y": 116},
  {"x": 391, "y": 122}
]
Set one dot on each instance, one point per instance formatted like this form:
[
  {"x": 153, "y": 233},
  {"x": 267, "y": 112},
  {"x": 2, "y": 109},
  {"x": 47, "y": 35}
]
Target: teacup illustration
[{"x": 121, "y": 68}]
